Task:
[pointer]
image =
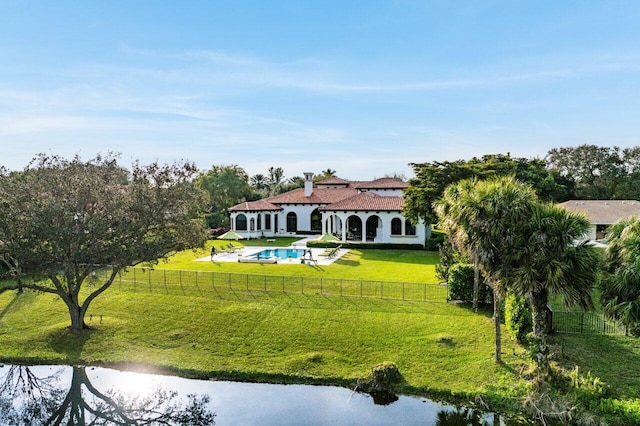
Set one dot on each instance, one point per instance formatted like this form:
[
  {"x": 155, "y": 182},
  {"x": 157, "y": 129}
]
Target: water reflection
[
  {"x": 26, "y": 399},
  {"x": 44, "y": 395}
]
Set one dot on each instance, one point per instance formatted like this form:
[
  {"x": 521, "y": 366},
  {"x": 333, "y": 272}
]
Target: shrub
[
  {"x": 434, "y": 242},
  {"x": 517, "y": 316},
  {"x": 461, "y": 284},
  {"x": 364, "y": 246}
]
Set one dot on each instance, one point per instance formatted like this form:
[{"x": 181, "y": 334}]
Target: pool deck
[{"x": 243, "y": 252}]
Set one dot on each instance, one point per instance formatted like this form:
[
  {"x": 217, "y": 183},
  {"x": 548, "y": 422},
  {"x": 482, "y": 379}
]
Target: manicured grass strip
[
  {"x": 203, "y": 283},
  {"x": 376, "y": 265}
]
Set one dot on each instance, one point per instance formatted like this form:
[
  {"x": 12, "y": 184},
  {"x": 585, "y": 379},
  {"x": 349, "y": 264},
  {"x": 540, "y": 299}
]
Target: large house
[
  {"x": 353, "y": 211},
  {"x": 602, "y": 213}
]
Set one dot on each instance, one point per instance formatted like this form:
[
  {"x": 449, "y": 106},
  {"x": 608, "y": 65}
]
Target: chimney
[{"x": 308, "y": 184}]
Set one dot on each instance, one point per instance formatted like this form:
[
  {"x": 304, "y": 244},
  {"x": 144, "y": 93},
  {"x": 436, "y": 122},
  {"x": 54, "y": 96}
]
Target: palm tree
[
  {"x": 487, "y": 217},
  {"x": 550, "y": 261},
  {"x": 275, "y": 180},
  {"x": 620, "y": 286}
]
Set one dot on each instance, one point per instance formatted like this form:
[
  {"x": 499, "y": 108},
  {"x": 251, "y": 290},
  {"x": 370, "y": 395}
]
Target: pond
[{"x": 42, "y": 395}]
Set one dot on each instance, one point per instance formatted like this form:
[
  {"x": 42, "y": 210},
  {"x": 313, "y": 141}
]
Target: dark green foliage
[
  {"x": 434, "y": 242},
  {"x": 620, "y": 285},
  {"x": 382, "y": 377},
  {"x": 598, "y": 173},
  {"x": 226, "y": 186},
  {"x": 461, "y": 284},
  {"x": 517, "y": 316},
  {"x": 63, "y": 220},
  {"x": 364, "y": 246},
  {"x": 431, "y": 179}
]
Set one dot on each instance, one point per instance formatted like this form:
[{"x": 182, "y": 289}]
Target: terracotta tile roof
[
  {"x": 318, "y": 196},
  {"x": 333, "y": 181},
  {"x": 368, "y": 201},
  {"x": 604, "y": 212},
  {"x": 254, "y": 206},
  {"x": 383, "y": 183}
]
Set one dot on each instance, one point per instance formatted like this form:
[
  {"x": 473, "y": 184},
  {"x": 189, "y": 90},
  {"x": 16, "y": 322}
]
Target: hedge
[
  {"x": 364, "y": 246},
  {"x": 461, "y": 284}
]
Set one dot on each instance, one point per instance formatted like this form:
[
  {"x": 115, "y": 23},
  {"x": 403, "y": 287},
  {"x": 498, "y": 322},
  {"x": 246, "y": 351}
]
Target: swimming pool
[{"x": 279, "y": 253}]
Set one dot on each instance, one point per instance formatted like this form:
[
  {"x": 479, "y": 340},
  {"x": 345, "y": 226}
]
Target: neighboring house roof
[
  {"x": 383, "y": 183},
  {"x": 254, "y": 206},
  {"x": 604, "y": 212},
  {"x": 367, "y": 201}
]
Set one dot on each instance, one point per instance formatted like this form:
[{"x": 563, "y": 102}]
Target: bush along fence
[
  {"x": 199, "y": 283},
  {"x": 584, "y": 322}
]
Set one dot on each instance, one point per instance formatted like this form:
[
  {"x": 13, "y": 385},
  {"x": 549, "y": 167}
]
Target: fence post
[
  {"x": 381, "y": 289},
  {"x": 403, "y": 290},
  {"x": 320, "y": 286},
  {"x": 283, "y": 284},
  {"x": 424, "y": 293}
]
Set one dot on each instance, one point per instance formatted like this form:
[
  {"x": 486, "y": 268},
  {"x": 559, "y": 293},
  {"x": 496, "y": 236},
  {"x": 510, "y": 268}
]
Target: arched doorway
[
  {"x": 292, "y": 222},
  {"x": 354, "y": 228},
  {"x": 373, "y": 223},
  {"x": 316, "y": 221}
]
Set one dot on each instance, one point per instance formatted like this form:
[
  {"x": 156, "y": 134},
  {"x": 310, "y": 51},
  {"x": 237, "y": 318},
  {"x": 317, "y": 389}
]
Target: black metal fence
[
  {"x": 201, "y": 282},
  {"x": 584, "y": 322}
]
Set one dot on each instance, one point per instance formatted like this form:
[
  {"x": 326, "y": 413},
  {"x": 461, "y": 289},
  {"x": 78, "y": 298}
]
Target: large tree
[
  {"x": 620, "y": 286},
  {"x": 488, "y": 216},
  {"x": 227, "y": 185},
  {"x": 431, "y": 179},
  {"x": 63, "y": 220},
  {"x": 599, "y": 173},
  {"x": 551, "y": 261}
]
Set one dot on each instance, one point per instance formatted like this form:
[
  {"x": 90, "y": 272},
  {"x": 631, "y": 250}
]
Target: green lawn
[
  {"x": 196, "y": 329},
  {"x": 383, "y": 265},
  {"x": 438, "y": 347}
]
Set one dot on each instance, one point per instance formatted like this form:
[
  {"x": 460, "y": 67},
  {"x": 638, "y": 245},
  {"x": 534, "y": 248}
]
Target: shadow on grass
[
  {"x": 19, "y": 301},
  {"x": 69, "y": 343},
  {"x": 401, "y": 256},
  {"x": 613, "y": 359}
]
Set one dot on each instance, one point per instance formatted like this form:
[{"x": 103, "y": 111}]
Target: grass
[
  {"x": 382, "y": 265},
  {"x": 253, "y": 335},
  {"x": 227, "y": 332}
]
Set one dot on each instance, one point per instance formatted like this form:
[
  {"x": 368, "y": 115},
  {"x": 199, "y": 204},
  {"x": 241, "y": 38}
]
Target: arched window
[
  {"x": 396, "y": 226},
  {"x": 267, "y": 221},
  {"x": 292, "y": 222},
  {"x": 409, "y": 228},
  {"x": 316, "y": 221},
  {"x": 259, "y": 222},
  {"x": 241, "y": 222}
]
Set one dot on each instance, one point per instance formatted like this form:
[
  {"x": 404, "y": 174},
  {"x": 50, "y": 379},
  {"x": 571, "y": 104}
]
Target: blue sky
[{"x": 361, "y": 87}]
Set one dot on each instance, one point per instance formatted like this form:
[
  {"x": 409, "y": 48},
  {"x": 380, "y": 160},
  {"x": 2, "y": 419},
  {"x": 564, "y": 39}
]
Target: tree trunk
[
  {"x": 76, "y": 313},
  {"x": 540, "y": 328},
  {"x": 539, "y": 315},
  {"x": 497, "y": 301},
  {"x": 476, "y": 281}
]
